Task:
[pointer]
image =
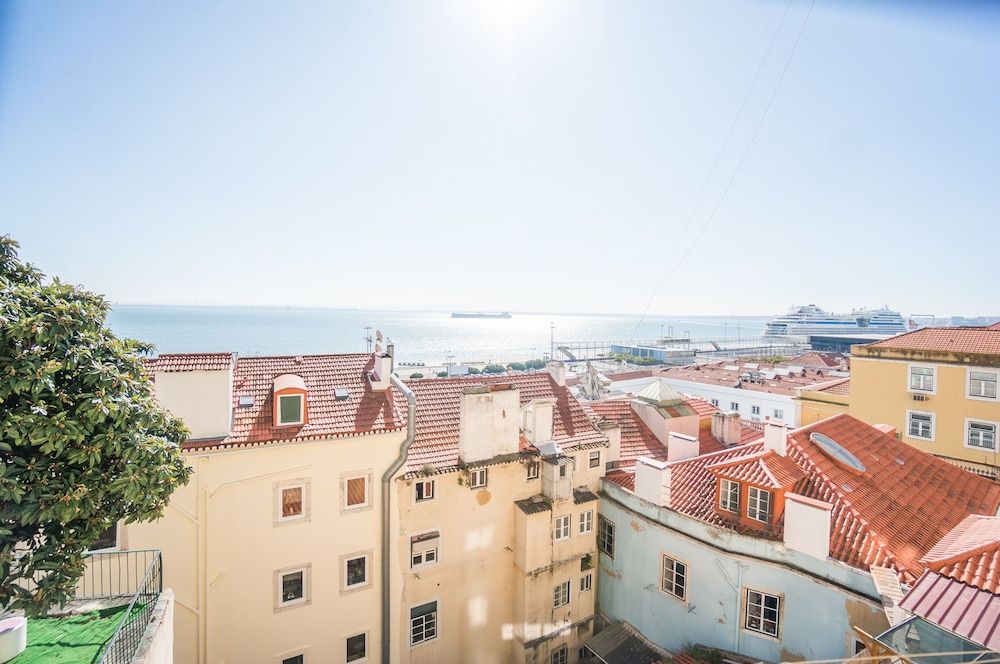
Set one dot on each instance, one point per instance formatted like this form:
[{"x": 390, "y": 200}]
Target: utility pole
[
  {"x": 552, "y": 340},
  {"x": 368, "y": 338}
]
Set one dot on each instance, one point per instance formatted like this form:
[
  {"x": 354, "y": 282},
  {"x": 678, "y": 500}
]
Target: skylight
[{"x": 836, "y": 451}]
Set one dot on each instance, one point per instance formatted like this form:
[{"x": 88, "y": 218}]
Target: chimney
[
  {"x": 652, "y": 481},
  {"x": 558, "y": 372},
  {"x": 201, "y": 397},
  {"x": 681, "y": 447},
  {"x": 886, "y": 429},
  {"x": 488, "y": 422},
  {"x": 807, "y": 525},
  {"x": 613, "y": 431},
  {"x": 776, "y": 437},
  {"x": 382, "y": 371},
  {"x": 727, "y": 427}
]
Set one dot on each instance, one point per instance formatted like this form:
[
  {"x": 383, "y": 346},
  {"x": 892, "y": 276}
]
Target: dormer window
[
  {"x": 729, "y": 496},
  {"x": 759, "y": 504},
  {"x": 290, "y": 407}
]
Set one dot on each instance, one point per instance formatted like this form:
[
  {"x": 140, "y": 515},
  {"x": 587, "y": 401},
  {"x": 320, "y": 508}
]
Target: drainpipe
[
  {"x": 411, "y": 414},
  {"x": 737, "y": 588}
]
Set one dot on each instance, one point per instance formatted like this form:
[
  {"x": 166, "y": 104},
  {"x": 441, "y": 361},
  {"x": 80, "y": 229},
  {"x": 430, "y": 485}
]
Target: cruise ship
[{"x": 810, "y": 319}]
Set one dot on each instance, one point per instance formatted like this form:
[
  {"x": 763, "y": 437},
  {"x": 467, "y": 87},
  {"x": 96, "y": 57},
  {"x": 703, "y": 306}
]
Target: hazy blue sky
[{"x": 506, "y": 155}]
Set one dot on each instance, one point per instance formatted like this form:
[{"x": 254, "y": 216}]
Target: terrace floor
[{"x": 76, "y": 638}]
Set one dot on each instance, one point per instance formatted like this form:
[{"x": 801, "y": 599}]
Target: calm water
[{"x": 419, "y": 336}]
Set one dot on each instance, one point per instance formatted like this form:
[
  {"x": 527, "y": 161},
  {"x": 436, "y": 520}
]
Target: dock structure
[{"x": 675, "y": 350}]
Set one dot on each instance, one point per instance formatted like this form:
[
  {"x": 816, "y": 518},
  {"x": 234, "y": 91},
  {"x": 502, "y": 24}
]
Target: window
[
  {"x": 423, "y": 623},
  {"x": 922, "y": 379},
  {"x": 560, "y": 595},
  {"x": 478, "y": 478},
  {"x": 423, "y": 490},
  {"x": 586, "y": 521},
  {"x": 291, "y": 501},
  {"x": 594, "y": 460},
  {"x": 562, "y": 470},
  {"x": 424, "y": 549},
  {"x": 759, "y": 504},
  {"x": 729, "y": 496},
  {"x": 982, "y": 385},
  {"x": 605, "y": 536},
  {"x": 586, "y": 582},
  {"x": 357, "y": 648},
  {"x": 107, "y": 540},
  {"x": 355, "y": 492},
  {"x": 714, "y": 402},
  {"x": 560, "y": 655},
  {"x": 290, "y": 409},
  {"x": 755, "y": 410},
  {"x": 291, "y": 587},
  {"x": 779, "y": 414},
  {"x": 533, "y": 470},
  {"x": 733, "y": 405},
  {"x": 674, "y": 578},
  {"x": 561, "y": 531},
  {"x": 920, "y": 425},
  {"x": 355, "y": 571},
  {"x": 763, "y": 613},
  {"x": 982, "y": 435},
  {"x": 295, "y": 659}
]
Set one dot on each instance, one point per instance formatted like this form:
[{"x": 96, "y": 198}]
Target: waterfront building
[
  {"x": 497, "y": 521},
  {"x": 770, "y": 549},
  {"x": 938, "y": 388},
  {"x": 274, "y": 548}
]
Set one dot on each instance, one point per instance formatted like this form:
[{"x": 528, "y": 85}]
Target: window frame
[
  {"x": 302, "y": 409},
  {"x": 933, "y": 425},
  {"x": 919, "y": 390},
  {"x": 587, "y": 582},
  {"x": 754, "y": 409},
  {"x": 476, "y": 473},
  {"x": 606, "y": 542},
  {"x": 779, "y": 611},
  {"x": 117, "y": 546},
  {"x": 423, "y": 551},
  {"x": 280, "y": 604},
  {"x": 345, "y": 478},
  {"x": 347, "y": 639},
  {"x": 592, "y": 460},
  {"x": 586, "y": 517},
  {"x": 779, "y": 414},
  {"x": 734, "y": 405},
  {"x": 752, "y": 508},
  {"x": 437, "y": 622},
  {"x": 723, "y": 493},
  {"x": 279, "y": 491},
  {"x": 286, "y": 657},
  {"x": 968, "y": 384},
  {"x": 562, "y": 524},
  {"x": 559, "y": 655},
  {"x": 426, "y": 498},
  {"x": 533, "y": 470},
  {"x": 969, "y": 421},
  {"x": 684, "y": 576},
  {"x": 561, "y": 591},
  {"x": 345, "y": 561}
]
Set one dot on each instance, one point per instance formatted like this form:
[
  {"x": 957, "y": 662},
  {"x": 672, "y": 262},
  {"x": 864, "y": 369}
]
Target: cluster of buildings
[{"x": 814, "y": 509}]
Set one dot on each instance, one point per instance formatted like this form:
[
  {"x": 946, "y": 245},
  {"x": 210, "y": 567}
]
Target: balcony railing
[{"x": 134, "y": 575}]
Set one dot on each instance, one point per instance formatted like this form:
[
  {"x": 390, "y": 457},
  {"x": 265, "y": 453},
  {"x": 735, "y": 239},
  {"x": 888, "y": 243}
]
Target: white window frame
[
  {"x": 684, "y": 575},
  {"x": 280, "y": 603},
  {"x": 594, "y": 459},
  {"x": 364, "y": 658},
  {"x": 279, "y": 490},
  {"x": 587, "y": 582},
  {"x": 734, "y": 405},
  {"x": 714, "y": 402},
  {"x": 725, "y": 493},
  {"x": 421, "y": 549},
  {"x": 284, "y": 657},
  {"x": 562, "y": 527},
  {"x": 479, "y": 478},
  {"x": 118, "y": 540},
  {"x": 426, "y": 498},
  {"x": 302, "y": 409},
  {"x": 586, "y": 522},
  {"x": 345, "y": 560},
  {"x": 763, "y": 497},
  {"x": 754, "y": 409},
  {"x": 968, "y": 384},
  {"x": 533, "y": 470},
  {"x": 907, "y": 433},
  {"x": 560, "y": 594},
  {"x": 437, "y": 622},
  {"x": 969, "y": 421},
  {"x": 779, "y": 414},
  {"x": 919, "y": 390},
  {"x": 559, "y": 655},
  {"x": 609, "y": 525},
  {"x": 358, "y": 475},
  {"x": 746, "y": 612}
]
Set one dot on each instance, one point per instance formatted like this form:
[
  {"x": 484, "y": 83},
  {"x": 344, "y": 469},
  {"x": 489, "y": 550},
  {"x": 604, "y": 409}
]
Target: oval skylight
[{"x": 836, "y": 451}]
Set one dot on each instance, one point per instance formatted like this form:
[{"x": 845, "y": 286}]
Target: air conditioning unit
[{"x": 920, "y": 397}]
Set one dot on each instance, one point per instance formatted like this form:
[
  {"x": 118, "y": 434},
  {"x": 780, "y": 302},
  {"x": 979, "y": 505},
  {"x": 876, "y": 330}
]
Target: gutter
[{"x": 411, "y": 414}]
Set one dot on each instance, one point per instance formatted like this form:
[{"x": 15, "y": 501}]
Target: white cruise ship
[{"x": 810, "y": 319}]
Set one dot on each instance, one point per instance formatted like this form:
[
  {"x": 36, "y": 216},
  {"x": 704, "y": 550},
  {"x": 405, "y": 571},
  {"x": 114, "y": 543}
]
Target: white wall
[
  {"x": 203, "y": 399},
  {"x": 725, "y": 395}
]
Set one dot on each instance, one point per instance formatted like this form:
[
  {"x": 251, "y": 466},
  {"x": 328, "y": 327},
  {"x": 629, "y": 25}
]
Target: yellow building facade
[
  {"x": 938, "y": 388},
  {"x": 823, "y": 401}
]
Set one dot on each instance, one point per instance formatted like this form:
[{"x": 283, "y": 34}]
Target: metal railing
[{"x": 145, "y": 593}]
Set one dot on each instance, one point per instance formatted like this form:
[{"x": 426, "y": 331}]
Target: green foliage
[
  {"x": 416, "y": 374},
  {"x": 635, "y": 359},
  {"x": 494, "y": 369},
  {"x": 535, "y": 364},
  {"x": 442, "y": 374},
  {"x": 474, "y": 371},
  {"x": 83, "y": 442},
  {"x": 705, "y": 655},
  {"x": 517, "y": 366}
]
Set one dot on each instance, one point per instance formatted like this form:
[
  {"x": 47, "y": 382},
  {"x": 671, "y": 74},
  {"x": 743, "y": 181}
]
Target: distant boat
[
  {"x": 480, "y": 314},
  {"x": 810, "y": 319}
]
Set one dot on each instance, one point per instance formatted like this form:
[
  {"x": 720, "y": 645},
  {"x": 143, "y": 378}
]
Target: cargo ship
[{"x": 480, "y": 314}]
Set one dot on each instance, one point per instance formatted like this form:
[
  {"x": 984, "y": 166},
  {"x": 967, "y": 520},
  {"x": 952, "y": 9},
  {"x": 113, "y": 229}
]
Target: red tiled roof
[
  {"x": 970, "y": 553},
  {"x": 965, "y": 610},
  {"x": 842, "y": 386},
  {"x": 439, "y": 408},
  {"x": 191, "y": 362},
  {"x": 702, "y": 407},
  {"x": 890, "y": 515},
  {"x": 717, "y": 373},
  {"x": 816, "y": 359},
  {"x": 764, "y": 468},
  {"x": 626, "y": 480},
  {"x": 966, "y": 339},
  {"x": 362, "y": 412}
]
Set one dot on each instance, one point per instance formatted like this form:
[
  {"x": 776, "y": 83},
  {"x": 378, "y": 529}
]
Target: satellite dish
[{"x": 378, "y": 335}]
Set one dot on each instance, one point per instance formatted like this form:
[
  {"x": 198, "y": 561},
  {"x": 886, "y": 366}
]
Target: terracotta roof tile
[
  {"x": 439, "y": 408},
  {"x": 717, "y": 373},
  {"x": 965, "y": 339},
  {"x": 817, "y": 359},
  {"x": 191, "y": 362},
  {"x": 763, "y": 468},
  {"x": 362, "y": 412},
  {"x": 842, "y": 386},
  {"x": 970, "y": 553}
]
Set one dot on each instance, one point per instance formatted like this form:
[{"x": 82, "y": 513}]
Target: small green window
[{"x": 290, "y": 409}]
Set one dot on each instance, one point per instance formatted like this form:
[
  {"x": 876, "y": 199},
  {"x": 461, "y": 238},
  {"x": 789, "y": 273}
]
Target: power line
[{"x": 736, "y": 171}]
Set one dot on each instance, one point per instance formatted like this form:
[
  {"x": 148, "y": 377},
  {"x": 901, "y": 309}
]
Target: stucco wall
[{"x": 817, "y": 613}]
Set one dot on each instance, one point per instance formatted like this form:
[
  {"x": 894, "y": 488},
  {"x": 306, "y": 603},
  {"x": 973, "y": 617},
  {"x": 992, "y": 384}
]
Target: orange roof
[
  {"x": 439, "y": 408},
  {"x": 362, "y": 412},
  {"x": 842, "y": 386},
  {"x": 970, "y": 553},
  {"x": 965, "y": 339},
  {"x": 890, "y": 515},
  {"x": 764, "y": 468},
  {"x": 191, "y": 362},
  {"x": 728, "y": 373},
  {"x": 817, "y": 359}
]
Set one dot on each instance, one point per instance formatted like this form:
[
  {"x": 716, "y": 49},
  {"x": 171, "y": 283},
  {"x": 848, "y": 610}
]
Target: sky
[{"x": 517, "y": 156}]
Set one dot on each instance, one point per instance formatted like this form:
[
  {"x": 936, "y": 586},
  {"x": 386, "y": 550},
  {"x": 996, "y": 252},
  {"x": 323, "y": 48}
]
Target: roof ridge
[
  {"x": 702, "y": 457},
  {"x": 966, "y": 525}
]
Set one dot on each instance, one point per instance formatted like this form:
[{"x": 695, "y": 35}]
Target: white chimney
[
  {"x": 558, "y": 372},
  {"x": 202, "y": 398},
  {"x": 886, "y": 429},
  {"x": 381, "y": 372},
  {"x": 652, "y": 481},
  {"x": 488, "y": 422},
  {"x": 727, "y": 427},
  {"x": 613, "y": 432},
  {"x": 539, "y": 416},
  {"x": 776, "y": 437},
  {"x": 681, "y": 446},
  {"x": 807, "y": 525}
]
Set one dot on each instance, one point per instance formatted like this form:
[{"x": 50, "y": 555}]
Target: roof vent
[
  {"x": 298, "y": 359},
  {"x": 341, "y": 394},
  {"x": 900, "y": 461},
  {"x": 246, "y": 401},
  {"x": 836, "y": 451}
]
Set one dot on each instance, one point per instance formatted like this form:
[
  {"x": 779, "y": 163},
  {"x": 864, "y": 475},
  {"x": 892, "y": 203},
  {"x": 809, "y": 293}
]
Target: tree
[
  {"x": 83, "y": 442},
  {"x": 517, "y": 366},
  {"x": 416, "y": 374},
  {"x": 473, "y": 371},
  {"x": 494, "y": 369}
]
